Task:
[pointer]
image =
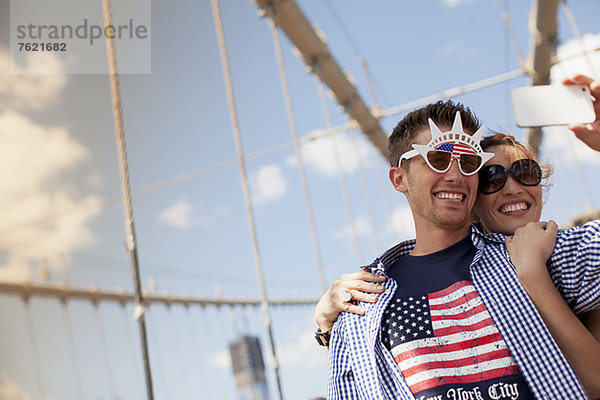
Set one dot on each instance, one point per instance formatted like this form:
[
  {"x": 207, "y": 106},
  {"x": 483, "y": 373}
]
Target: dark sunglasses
[{"x": 492, "y": 178}]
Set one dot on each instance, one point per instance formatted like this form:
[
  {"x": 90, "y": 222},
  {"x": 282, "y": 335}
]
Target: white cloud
[
  {"x": 401, "y": 222},
  {"x": 299, "y": 351},
  {"x": 30, "y": 91},
  {"x": 221, "y": 359},
  {"x": 211, "y": 217},
  {"x": 455, "y": 3},
  {"x": 268, "y": 184},
  {"x": 177, "y": 215},
  {"x": 319, "y": 154},
  {"x": 574, "y": 61},
  {"x": 11, "y": 390},
  {"x": 360, "y": 225},
  {"x": 33, "y": 161},
  {"x": 181, "y": 215}
]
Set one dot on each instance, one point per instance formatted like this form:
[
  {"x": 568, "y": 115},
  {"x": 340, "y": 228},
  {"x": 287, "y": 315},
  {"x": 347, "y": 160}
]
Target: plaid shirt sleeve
[
  {"x": 340, "y": 383},
  {"x": 575, "y": 266}
]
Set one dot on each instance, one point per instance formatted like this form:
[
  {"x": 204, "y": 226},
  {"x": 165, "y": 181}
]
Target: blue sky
[{"x": 59, "y": 151}]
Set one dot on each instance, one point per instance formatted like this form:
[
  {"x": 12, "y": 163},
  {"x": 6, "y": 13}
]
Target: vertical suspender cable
[
  {"x": 511, "y": 32},
  {"x": 338, "y": 164},
  {"x": 198, "y": 355},
  {"x": 381, "y": 172},
  {"x": 105, "y": 348},
  {"x": 365, "y": 190},
  {"x": 297, "y": 148},
  {"x": 177, "y": 344},
  {"x": 245, "y": 186},
  {"x": 73, "y": 352},
  {"x": 131, "y": 241},
  {"x": 361, "y": 58},
  {"x": 130, "y": 339},
  {"x": 577, "y": 33},
  {"x": 151, "y": 311},
  {"x": 35, "y": 348}
]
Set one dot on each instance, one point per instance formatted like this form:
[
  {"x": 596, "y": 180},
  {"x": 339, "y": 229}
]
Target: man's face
[{"x": 438, "y": 200}]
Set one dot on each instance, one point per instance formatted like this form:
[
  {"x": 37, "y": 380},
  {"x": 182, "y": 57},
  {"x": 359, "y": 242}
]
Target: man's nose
[{"x": 454, "y": 171}]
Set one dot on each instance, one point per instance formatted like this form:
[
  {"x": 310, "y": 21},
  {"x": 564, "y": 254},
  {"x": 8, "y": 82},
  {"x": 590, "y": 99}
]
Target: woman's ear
[{"x": 398, "y": 178}]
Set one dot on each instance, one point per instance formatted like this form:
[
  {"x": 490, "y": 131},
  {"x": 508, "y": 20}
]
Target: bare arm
[
  {"x": 529, "y": 249},
  {"x": 359, "y": 286}
]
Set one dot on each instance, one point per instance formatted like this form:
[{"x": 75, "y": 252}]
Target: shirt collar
[{"x": 383, "y": 262}]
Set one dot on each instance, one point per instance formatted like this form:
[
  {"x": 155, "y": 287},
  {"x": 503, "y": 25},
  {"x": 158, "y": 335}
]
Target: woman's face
[{"x": 512, "y": 206}]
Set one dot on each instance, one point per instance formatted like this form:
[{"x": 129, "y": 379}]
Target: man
[{"x": 487, "y": 338}]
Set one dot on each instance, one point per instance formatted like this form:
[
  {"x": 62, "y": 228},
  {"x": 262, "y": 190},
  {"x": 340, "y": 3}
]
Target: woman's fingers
[
  {"x": 362, "y": 296},
  {"x": 355, "y": 309}
]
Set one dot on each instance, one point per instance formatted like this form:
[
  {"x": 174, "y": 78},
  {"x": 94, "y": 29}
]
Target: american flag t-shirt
[{"x": 446, "y": 338}]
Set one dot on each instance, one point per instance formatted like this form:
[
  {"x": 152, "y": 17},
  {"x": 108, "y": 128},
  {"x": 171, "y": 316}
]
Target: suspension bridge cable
[
  {"x": 131, "y": 240},
  {"x": 297, "y": 149},
  {"x": 361, "y": 59},
  {"x": 366, "y": 195},
  {"x": 37, "y": 362},
  {"x": 245, "y": 185},
  {"x": 338, "y": 165},
  {"x": 198, "y": 355},
  {"x": 102, "y": 202},
  {"x": 389, "y": 112},
  {"x": 562, "y": 160},
  {"x": 577, "y": 33},
  {"x": 177, "y": 345},
  {"x": 104, "y": 344},
  {"x": 160, "y": 365},
  {"x": 73, "y": 352},
  {"x": 455, "y": 91},
  {"x": 130, "y": 339},
  {"x": 508, "y": 35},
  {"x": 381, "y": 172},
  {"x": 513, "y": 36}
]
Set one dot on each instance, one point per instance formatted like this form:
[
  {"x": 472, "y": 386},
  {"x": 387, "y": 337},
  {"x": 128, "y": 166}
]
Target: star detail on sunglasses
[{"x": 457, "y": 137}]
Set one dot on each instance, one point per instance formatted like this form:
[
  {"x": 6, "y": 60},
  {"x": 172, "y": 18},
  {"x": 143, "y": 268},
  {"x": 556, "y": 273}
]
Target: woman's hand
[
  {"x": 588, "y": 133},
  {"x": 359, "y": 286},
  {"x": 530, "y": 248}
]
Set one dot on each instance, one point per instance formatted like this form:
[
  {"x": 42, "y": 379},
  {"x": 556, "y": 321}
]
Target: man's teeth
[
  {"x": 450, "y": 196},
  {"x": 513, "y": 207}
]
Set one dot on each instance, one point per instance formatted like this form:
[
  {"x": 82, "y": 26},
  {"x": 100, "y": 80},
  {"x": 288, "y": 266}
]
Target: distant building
[{"x": 249, "y": 369}]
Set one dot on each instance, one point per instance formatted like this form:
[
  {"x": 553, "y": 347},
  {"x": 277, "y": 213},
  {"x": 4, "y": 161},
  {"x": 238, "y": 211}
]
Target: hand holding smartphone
[{"x": 535, "y": 106}]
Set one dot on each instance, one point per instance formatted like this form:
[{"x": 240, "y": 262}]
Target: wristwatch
[{"x": 323, "y": 337}]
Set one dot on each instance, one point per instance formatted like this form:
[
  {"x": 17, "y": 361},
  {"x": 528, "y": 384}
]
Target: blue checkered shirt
[{"x": 360, "y": 367}]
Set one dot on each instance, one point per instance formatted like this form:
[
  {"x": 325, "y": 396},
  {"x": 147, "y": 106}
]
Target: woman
[{"x": 510, "y": 201}]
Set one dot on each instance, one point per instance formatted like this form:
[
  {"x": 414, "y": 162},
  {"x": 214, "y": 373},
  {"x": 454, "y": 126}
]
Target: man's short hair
[{"x": 442, "y": 113}]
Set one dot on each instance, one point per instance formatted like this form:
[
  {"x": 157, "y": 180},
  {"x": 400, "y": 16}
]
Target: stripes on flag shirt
[{"x": 441, "y": 335}]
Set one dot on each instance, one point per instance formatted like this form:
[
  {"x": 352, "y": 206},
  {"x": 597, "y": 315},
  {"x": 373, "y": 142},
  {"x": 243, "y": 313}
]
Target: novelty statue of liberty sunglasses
[{"x": 444, "y": 147}]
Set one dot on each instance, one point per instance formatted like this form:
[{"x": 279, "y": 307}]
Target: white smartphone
[{"x": 535, "y": 106}]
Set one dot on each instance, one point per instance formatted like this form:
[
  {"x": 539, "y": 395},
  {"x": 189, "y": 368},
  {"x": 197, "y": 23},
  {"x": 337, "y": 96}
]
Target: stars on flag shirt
[{"x": 441, "y": 335}]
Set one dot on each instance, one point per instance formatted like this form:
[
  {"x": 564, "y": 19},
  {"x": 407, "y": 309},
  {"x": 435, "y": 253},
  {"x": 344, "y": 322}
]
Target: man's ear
[{"x": 398, "y": 178}]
